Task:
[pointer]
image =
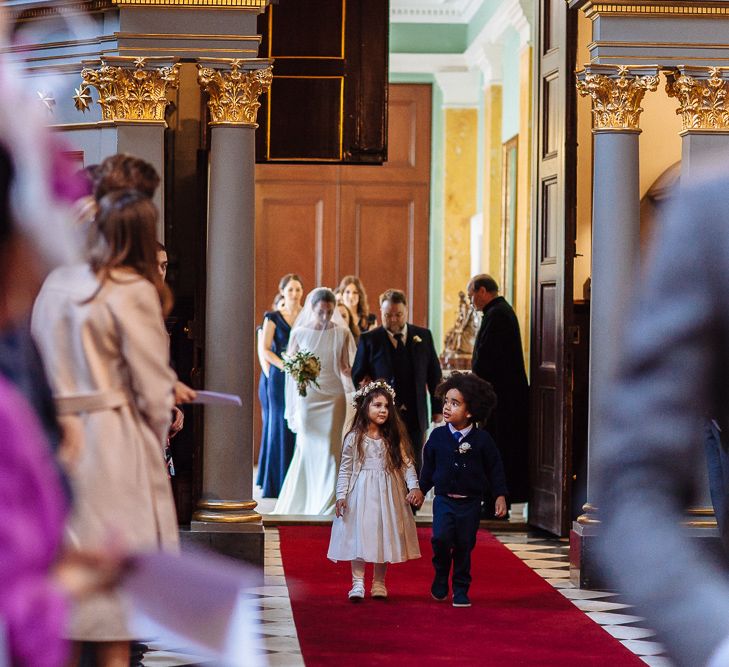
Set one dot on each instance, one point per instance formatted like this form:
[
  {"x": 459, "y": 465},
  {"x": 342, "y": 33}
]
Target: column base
[
  {"x": 228, "y": 527},
  {"x": 241, "y": 542},
  {"x": 585, "y": 571}
]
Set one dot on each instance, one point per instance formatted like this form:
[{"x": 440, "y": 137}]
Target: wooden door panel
[
  {"x": 409, "y": 131},
  {"x": 385, "y": 242},
  {"x": 328, "y": 98},
  {"x": 295, "y": 233},
  {"x": 551, "y": 400}
]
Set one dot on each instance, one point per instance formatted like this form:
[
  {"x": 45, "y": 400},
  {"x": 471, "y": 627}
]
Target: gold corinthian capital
[
  {"x": 702, "y": 96},
  {"x": 128, "y": 93},
  {"x": 616, "y": 92},
  {"x": 233, "y": 93}
]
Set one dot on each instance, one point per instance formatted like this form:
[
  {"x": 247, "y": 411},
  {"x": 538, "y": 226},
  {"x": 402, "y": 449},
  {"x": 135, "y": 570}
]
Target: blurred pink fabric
[{"x": 34, "y": 507}]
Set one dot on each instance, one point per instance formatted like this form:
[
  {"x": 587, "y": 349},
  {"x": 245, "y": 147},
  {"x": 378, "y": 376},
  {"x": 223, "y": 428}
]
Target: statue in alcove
[{"x": 461, "y": 338}]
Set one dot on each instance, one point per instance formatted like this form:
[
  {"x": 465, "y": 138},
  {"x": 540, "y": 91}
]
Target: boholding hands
[
  {"x": 340, "y": 507},
  {"x": 415, "y": 497},
  {"x": 500, "y": 507}
]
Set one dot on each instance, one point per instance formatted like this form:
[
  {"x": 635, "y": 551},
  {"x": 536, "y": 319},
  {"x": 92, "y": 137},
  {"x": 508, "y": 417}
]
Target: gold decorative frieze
[
  {"x": 136, "y": 93},
  {"x": 233, "y": 93},
  {"x": 702, "y": 96},
  {"x": 616, "y": 92},
  {"x": 676, "y": 8}
]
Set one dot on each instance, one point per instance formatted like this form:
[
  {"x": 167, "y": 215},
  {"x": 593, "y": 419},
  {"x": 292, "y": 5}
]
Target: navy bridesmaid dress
[
  {"x": 263, "y": 402},
  {"x": 278, "y": 447}
]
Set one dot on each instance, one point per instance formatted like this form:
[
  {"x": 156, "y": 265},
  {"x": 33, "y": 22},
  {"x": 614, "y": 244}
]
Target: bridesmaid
[
  {"x": 277, "y": 451},
  {"x": 263, "y": 390},
  {"x": 353, "y": 296}
]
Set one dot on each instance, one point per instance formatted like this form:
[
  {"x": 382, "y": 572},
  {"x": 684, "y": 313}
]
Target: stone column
[
  {"x": 233, "y": 88},
  {"x": 132, "y": 94},
  {"x": 616, "y": 93},
  {"x": 703, "y": 98}
]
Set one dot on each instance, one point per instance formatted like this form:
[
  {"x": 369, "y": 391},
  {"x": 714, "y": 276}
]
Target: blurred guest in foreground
[
  {"x": 100, "y": 329},
  {"x": 674, "y": 373},
  {"x": 37, "y": 580}
]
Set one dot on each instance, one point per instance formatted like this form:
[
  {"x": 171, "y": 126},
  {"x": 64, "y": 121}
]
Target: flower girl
[{"x": 374, "y": 523}]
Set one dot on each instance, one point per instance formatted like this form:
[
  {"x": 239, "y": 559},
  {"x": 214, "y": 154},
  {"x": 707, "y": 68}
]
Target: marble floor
[{"x": 548, "y": 557}]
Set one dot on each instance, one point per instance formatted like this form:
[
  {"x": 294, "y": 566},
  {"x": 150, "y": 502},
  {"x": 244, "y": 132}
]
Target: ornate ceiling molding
[
  {"x": 484, "y": 54},
  {"x": 434, "y": 11}
]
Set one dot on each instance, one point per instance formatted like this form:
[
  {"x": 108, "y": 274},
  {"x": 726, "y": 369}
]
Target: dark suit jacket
[
  {"x": 473, "y": 473},
  {"x": 374, "y": 360}
]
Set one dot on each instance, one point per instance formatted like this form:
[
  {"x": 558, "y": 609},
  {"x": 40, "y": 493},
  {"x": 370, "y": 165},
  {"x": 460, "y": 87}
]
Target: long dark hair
[
  {"x": 123, "y": 235},
  {"x": 394, "y": 433},
  {"x": 363, "y": 307}
]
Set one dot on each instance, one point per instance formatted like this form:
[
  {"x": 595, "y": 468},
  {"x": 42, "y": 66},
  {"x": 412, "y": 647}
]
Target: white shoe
[
  {"x": 358, "y": 591},
  {"x": 378, "y": 590}
]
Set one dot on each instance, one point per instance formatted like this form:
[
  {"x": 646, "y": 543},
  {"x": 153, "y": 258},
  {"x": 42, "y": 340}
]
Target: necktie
[
  {"x": 398, "y": 338},
  {"x": 457, "y": 435}
]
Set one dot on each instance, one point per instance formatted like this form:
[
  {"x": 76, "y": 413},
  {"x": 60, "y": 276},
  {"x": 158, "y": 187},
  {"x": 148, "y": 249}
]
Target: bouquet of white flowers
[{"x": 304, "y": 367}]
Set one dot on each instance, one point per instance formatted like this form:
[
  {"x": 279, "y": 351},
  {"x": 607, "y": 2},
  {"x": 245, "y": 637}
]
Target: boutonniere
[
  {"x": 417, "y": 339},
  {"x": 463, "y": 447}
]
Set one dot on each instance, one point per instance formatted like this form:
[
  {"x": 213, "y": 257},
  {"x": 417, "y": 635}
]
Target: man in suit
[
  {"x": 404, "y": 355},
  {"x": 498, "y": 359},
  {"x": 649, "y": 458}
]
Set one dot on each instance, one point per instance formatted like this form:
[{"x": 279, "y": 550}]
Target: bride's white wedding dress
[{"x": 318, "y": 421}]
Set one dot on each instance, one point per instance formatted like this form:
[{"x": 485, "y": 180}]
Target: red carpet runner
[{"x": 517, "y": 618}]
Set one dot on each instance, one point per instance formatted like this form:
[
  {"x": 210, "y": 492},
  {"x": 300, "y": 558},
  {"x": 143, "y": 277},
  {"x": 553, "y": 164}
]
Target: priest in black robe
[{"x": 498, "y": 358}]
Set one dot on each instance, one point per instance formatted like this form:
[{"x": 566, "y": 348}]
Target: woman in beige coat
[{"x": 101, "y": 333}]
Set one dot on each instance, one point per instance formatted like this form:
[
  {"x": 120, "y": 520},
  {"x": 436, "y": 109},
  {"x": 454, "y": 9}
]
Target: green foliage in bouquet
[{"x": 304, "y": 367}]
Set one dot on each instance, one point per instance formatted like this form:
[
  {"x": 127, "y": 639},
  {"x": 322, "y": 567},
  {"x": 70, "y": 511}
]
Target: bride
[{"x": 317, "y": 418}]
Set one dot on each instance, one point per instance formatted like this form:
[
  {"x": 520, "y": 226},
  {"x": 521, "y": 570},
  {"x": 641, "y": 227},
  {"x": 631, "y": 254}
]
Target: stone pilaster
[
  {"x": 616, "y": 92},
  {"x": 132, "y": 94}
]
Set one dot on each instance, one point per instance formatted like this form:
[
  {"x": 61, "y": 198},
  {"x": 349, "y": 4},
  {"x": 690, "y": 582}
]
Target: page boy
[{"x": 463, "y": 464}]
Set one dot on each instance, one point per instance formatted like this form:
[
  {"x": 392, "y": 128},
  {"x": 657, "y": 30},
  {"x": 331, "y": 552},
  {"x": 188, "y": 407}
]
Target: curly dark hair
[
  {"x": 394, "y": 433},
  {"x": 479, "y": 395}
]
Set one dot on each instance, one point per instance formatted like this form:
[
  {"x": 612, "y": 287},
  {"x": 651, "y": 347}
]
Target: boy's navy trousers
[{"x": 455, "y": 524}]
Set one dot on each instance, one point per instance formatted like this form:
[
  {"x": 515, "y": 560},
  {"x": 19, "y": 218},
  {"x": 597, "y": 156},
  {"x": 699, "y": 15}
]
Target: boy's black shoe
[
  {"x": 460, "y": 599},
  {"x": 439, "y": 590}
]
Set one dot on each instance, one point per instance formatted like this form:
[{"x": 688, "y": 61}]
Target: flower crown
[{"x": 368, "y": 388}]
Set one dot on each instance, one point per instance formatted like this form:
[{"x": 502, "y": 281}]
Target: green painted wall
[{"x": 428, "y": 38}]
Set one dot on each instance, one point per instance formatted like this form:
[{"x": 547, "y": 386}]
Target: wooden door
[
  {"x": 296, "y": 232},
  {"x": 328, "y": 98},
  {"x": 554, "y": 225},
  {"x": 327, "y": 221},
  {"x": 383, "y": 243}
]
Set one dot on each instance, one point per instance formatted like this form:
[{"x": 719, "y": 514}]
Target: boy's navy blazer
[
  {"x": 374, "y": 360},
  {"x": 472, "y": 473}
]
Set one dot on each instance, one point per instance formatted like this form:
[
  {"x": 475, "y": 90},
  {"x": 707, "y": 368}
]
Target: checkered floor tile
[{"x": 548, "y": 557}]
